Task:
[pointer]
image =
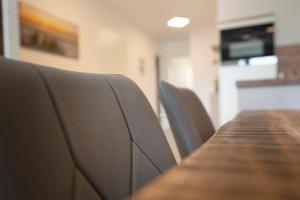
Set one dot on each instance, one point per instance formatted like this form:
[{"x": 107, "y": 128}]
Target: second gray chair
[{"x": 187, "y": 116}]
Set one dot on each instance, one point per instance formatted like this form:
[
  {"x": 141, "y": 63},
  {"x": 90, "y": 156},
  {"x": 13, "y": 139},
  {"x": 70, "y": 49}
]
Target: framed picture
[{"x": 44, "y": 32}]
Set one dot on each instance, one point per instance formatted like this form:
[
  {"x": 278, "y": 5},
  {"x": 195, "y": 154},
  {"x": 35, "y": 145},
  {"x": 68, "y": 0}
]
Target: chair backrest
[
  {"x": 68, "y": 135},
  {"x": 189, "y": 121}
]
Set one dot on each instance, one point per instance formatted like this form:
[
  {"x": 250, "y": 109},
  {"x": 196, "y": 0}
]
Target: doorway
[{"x": 1, "y": 30}]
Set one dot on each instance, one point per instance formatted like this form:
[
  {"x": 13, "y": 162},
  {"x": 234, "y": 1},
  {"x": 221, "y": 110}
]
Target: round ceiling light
[{"x": 178, "y": 22}]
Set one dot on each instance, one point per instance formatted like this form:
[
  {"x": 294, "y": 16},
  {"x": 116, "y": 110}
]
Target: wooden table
[{"x": 255, "y": 156}]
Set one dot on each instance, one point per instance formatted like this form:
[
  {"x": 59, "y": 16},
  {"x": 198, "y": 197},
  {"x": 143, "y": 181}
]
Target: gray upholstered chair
[
  {"x": 70, "y": 136},
  {"x": 188, "y": 118}
]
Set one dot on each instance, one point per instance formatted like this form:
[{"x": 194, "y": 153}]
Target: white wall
[
  {"x": 202, "y": 58},
  {"x": 170, "y": 52},
  {"x": 287, "y": 15},
  {"x": 269, "y": 97},
  {"x": 108, "y": 43},
  {"x": 175, "y": 47},
  {"x": 180, "y": 72},
  {"x": 228, "y": 76}
]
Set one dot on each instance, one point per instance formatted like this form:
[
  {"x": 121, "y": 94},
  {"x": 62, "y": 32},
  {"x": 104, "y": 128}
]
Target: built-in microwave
[{"x": 247, "y": 42}]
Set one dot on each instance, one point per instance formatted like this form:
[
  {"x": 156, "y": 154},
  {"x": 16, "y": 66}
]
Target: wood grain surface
[
  {"x": 268, "y": 83},
  {"x": 289, "y": 60},
  {"x": 255, "y": 156}
]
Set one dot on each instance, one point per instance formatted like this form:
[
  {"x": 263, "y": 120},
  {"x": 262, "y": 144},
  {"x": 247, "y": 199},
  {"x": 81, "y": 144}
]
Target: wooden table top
[{"x": 255, "y": 156}]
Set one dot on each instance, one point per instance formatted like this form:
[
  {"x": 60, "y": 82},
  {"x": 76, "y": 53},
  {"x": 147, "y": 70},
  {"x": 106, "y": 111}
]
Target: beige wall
[{"x": 108, "y": 43}]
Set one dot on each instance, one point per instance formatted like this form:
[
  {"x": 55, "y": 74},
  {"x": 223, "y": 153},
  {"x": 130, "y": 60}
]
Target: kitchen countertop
[{"x": 268, "y": 83}]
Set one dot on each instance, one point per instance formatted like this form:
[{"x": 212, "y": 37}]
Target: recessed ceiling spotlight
[{"x": 178, "y": 22}]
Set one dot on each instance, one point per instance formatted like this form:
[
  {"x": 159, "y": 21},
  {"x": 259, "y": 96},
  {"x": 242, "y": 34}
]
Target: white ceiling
[{"x": 152, "y": 15}]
